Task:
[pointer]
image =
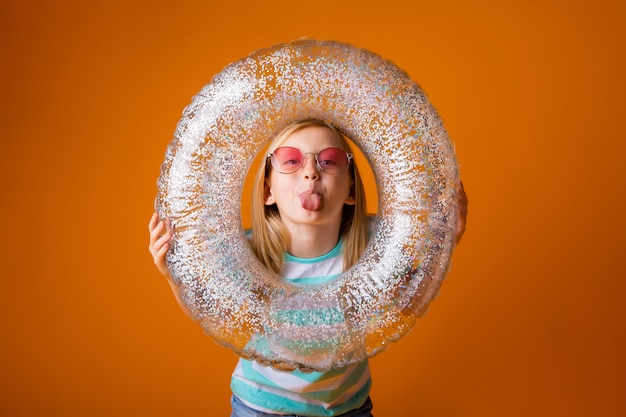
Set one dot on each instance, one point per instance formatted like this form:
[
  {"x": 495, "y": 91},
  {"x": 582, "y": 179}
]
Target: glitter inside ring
[{"x": 227, "y": 290}]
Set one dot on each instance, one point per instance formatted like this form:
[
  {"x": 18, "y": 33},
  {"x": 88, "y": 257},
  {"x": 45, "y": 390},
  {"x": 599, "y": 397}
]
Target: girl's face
[{"x": 310, "y": 195}]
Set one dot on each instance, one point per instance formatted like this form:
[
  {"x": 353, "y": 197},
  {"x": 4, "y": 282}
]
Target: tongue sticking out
[{"x": 310, "y": 201}]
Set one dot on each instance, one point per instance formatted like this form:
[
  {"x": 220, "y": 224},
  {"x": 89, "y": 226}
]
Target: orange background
[{"x": 530, "y": 320}]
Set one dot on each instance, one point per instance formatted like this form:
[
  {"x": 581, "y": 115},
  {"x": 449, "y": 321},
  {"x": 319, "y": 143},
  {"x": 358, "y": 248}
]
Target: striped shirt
[{"x": 312, "y": 393}]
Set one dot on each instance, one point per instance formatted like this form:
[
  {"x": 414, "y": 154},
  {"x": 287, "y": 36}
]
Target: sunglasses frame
[{"x": 271, "y": 155}]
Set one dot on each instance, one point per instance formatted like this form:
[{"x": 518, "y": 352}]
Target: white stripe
[
  {"x": 302, "y": 270},
  {"x": 350, "y": 392},
  {"x": 293, "y": 387},
  {"x": 290, "y": 381}
]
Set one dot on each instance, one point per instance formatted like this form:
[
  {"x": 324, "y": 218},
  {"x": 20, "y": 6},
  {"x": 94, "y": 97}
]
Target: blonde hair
[{"x": 270, "y": 239}]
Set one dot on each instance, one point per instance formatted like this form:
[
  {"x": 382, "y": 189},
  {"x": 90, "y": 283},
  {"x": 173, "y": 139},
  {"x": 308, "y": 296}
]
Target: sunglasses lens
[
  {"x": 333, "y": 160},
  {"x": 287, "y": 159}
]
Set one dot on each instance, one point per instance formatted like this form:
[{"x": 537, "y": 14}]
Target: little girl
[{"x": 309, "y": 225}]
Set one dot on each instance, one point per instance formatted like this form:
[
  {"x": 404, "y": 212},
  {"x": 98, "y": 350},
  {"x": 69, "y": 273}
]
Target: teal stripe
[
  {"x": 312, "y": 346},
  {"x": 251, "y": 374},
  {"x": 313, "y": 280},
  {"x": 351, "y": 381},
  {"x": 316, "y": 317},
  {"x": 278, "y": 403},
  {"x": 320, "y": 376},
  {"x": 312, "y": 377}
]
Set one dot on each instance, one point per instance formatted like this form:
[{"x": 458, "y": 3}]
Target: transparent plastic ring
[{"x": 237, "y": 300}]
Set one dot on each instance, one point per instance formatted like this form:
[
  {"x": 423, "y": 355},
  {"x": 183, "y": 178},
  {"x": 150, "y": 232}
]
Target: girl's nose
[{"x": 310, "y": 167}]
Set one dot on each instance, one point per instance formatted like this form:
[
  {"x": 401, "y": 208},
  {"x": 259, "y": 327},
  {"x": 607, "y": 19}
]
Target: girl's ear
[
  {"x": 269, "y": 197},
  {"x": 350, "y": 199}
]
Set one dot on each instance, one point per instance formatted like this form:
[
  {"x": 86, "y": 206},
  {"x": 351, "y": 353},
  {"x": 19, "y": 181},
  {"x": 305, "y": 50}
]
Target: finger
[
  {"x": 156, "y": 232},
  {"x": 158, "y": 252},
  {"x": 168, "y": 224},
  {"x": 155, "y": 245},
  {"x": 462, "y": 198},
  {"x": 162, "y": 251},
  {"x": 153, "y": 221},
  {"x": 163, "y": 240}
]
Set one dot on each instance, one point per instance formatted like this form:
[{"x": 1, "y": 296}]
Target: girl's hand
[
  {"x": 160, "y": 235},
  {"x": 461, "y": 213}
]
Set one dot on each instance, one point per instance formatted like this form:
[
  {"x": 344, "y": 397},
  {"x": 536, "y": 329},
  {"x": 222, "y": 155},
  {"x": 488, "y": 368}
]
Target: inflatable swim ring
[{"x": 232, "y": 295}]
